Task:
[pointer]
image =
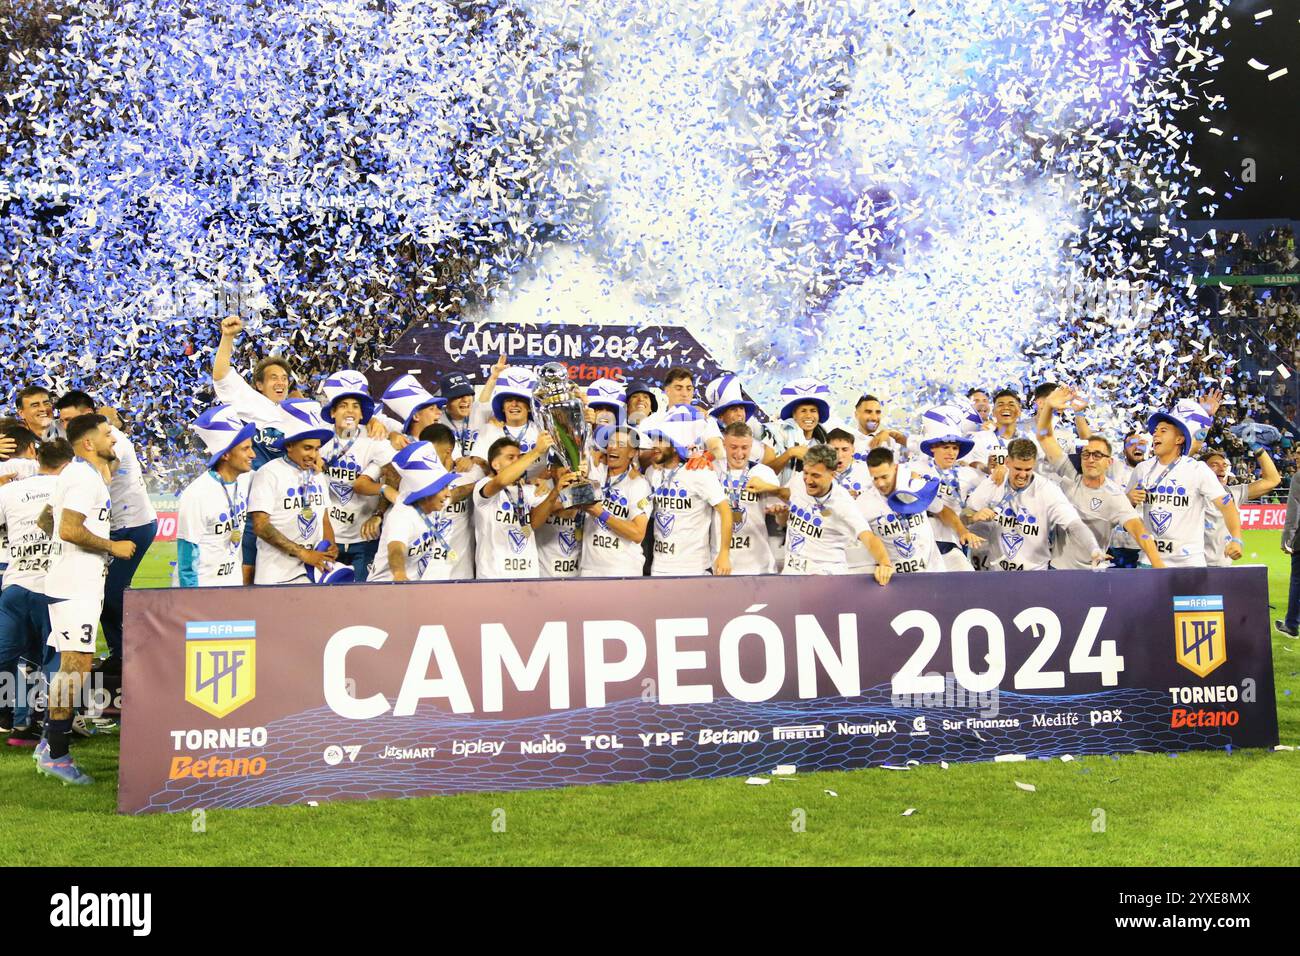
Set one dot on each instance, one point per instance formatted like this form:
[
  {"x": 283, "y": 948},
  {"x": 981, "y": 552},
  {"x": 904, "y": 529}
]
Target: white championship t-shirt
[
  {"x": 76, "y": 572},
  {"x": 27, "y": 549},
  {"x": 819, "y": 531},
  {"x": 683, "y": 519},
  {"x": 423, "y": 537},
  {"x": 296, "y": 502},
  {"x": 604, "y": 553},
  {"x": 505, "y": 546},
  {"x": 751, "y": 549},
  {"x": 1177, "y": 498},
  {"x": 345, "y": 460},
  {"x": 131, "y": 505},
  {"x": 211, "y": 516},
  {"x": 1024, "y": 521},
  {"x": 909, "y": 539}
]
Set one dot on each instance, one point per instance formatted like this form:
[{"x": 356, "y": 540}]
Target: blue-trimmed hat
[
  {"x": 513, "y": 382},
  {"x": 726, "y": 393},
  {"x": 454, "y": 386},
  {"x": 422, "y": 472},
  {"x": 803, "y": 390},
  {"x": 944, "y": 423},
  {"x": 682, "y": 426},
  {"x": 301, "y": 419},
  {"x": 405, "y": 396},
  {"x": 1189, "y": 418},
  {"x": 220, "y": 430},
  {"x": 606, "y": 393},
  {"x": 336, "y": 573},
  {"x": 348, "y": 384}
]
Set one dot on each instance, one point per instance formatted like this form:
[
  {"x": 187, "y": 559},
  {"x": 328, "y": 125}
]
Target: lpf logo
[
  {"x": 220, "y": 665},
  {"x": 1200, "y": 635}
]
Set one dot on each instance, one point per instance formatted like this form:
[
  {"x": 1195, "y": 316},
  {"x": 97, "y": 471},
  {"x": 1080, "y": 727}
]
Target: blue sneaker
[
  {"x": 42, "y": 749},
  {"x": 63, "y": 769}
]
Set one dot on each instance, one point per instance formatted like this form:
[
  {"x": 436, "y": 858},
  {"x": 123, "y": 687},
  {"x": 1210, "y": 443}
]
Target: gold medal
[
  {"x": 527, "y": 529},
  {"x": 236, "y": 535},
  {"x": 452, "y": 557},
  {"x": 737, "y": 515},
  {"x": 308, "y": 514}
]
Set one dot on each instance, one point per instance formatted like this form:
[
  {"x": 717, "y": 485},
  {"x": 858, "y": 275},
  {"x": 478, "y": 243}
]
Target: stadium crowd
[{"x": 302, "y": 482}]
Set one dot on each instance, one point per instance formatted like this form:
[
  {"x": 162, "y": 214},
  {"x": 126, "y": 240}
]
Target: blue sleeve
[{"x": 187, "y": 563}]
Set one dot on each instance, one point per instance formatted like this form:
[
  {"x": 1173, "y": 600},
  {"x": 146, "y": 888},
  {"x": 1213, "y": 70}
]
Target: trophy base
[{"x": 580, "y": 495}]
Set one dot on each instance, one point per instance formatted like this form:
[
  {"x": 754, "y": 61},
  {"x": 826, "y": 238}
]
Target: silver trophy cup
[{"x": 563, "y": 415}]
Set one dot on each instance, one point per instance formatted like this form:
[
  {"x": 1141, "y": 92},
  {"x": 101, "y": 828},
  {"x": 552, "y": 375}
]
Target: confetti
[
  {"x": 782, "y": 770},
  {"x": 758, "y": 781},
  {"x": 909, "y": 811},
  {"x": 1029, "y": 787}
]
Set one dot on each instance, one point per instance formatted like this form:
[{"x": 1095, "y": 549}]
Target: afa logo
[
  {"x": 1200, "y": 636},
  {"x": 220, "y": 665}
]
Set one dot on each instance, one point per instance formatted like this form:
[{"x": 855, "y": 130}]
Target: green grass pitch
[{"x": 1196, "y": 808}]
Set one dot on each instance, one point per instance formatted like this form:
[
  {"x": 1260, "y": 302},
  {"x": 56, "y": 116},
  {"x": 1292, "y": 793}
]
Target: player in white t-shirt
[
  {"x": 133, "y": 519},
  {"x": 353, "y": 464},
  {"x": 851, "y": 474},
  {"x": 213, "y": 508},
  {"x": 1027, "y": 510},
  {"x": 752, "y": 491},
  {"x": 823, "y": 522},
  {"x": 505, "y": 511},
  {"x": 904, "y": 510},
  {"x": 1216, "y": 532},
  {"x": 871, "y": 432},
  {"x": 17, "y": 461},
  {"x": 24, "y": 617},
  {"x": 512, "y": 406},
  {"x": 804, "y": 421},
  {"x": 1175, "y": 491},
  {"x": 414, "y": 545},
  {"x": 685, "y": 500},
  {"x": 454, "y": 519},
  {"x": 289, "y": 501},
  {"x": 611, "y": 547},
  {"x": 80, "y": 516}
]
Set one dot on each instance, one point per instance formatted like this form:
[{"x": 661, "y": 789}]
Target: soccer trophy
[{"x": 563, "y": 415}]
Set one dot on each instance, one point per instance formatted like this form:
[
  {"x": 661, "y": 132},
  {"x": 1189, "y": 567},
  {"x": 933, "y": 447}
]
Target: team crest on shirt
[
  {"x": 342, "y": 492},
  {"x": 664, "y": 523},
  {"x": 1095, "y": 504},
  {"x": 306, "y": 524},
  {"x": 518, "y": 541},
  {"x": 1160, "y": 520},
  {"x": 797, "y": 542},
  {"x": 568, "y": 541},
  {"x": 1011, "y": 542},
  {"x": 904, "y": 547}
]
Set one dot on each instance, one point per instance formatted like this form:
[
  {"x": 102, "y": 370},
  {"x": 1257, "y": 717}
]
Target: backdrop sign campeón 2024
[{"x": 241, "y": 697}]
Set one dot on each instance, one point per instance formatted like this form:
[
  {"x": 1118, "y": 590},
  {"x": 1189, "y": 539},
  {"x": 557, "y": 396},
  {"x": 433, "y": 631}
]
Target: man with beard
[
  {"x": 896, "y": 513},
  {"x": 870, "y": 434},
  {"x": 79, "y": 516},
  {"x": 211, "y": 513},
  {"x": 1027, "y": 509},
  {"x": 823, "y": 522}
]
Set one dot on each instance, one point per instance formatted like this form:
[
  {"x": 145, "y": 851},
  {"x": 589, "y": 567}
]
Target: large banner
[
  {"x": 241, "y": 697},
  {"x": 624, "y": 352}
]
